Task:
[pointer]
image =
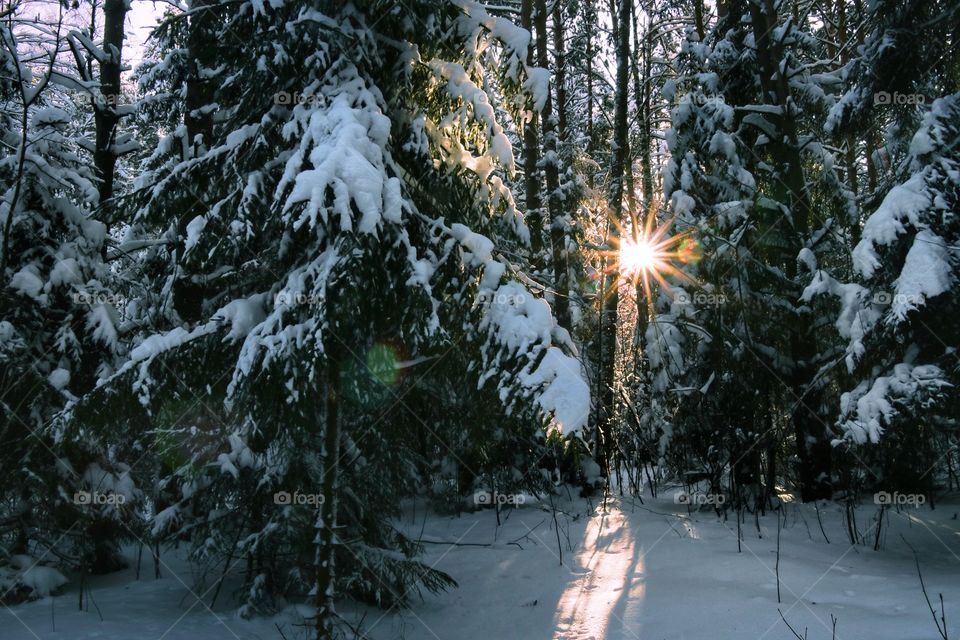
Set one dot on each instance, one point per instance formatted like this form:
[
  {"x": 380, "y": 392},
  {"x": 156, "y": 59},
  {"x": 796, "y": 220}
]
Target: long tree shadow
[{"x": 597, "y": 603}]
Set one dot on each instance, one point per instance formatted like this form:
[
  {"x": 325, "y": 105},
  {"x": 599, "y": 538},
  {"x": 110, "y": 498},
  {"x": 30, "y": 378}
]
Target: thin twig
[
  {"x": 792, "y": 630},
  {"x": 942, "y": 630}
]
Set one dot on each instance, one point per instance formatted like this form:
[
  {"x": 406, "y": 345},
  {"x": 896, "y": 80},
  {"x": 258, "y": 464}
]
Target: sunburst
[{"x": 648, "y": 253}]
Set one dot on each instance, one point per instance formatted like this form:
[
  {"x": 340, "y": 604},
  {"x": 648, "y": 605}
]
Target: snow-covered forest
[{"x": 479, "y": 319}]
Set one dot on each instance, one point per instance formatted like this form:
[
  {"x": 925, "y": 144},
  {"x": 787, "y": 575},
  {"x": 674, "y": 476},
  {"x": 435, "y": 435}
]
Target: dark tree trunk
[
  {"x": 327, "y": 511},
  {"x": 698, "y": 19},
  {"x": 870, "y": 141},
  {"x": 188, "y": 296},
  {"x": 646, "y": 161},
  {"x": 812, "y": 434},
  {"x": 618, "y": 167},
  {"x": 551, "y": 170},
  {"x": 850, "y": 154},
  {"x": 201, "y": 49},
  {"x": 589, "y": 19},
  {"x": 641, "y": 99},
  {"x": 723, "y": 10},
  {"x": 105, "y": 113},
  {"x": 531, "y": 155},
  {"x": 560, "y": 53}
]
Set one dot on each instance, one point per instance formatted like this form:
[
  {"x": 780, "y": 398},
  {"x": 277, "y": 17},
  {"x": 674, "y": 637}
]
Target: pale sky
[{"x": 143, "y": 15}]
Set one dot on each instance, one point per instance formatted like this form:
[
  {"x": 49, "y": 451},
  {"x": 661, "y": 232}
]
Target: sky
[
  {"x": 143, "y": 15},
  {"x": 141, "y": 18}
]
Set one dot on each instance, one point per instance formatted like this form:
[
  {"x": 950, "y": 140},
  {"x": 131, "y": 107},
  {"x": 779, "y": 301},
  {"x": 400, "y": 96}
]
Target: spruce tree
[
  {"x": 896, "y": 305},
  {"x": 755, "y": 191},
  {"x": 328, "y": 215},
  {"x": 59, "y": 320}
]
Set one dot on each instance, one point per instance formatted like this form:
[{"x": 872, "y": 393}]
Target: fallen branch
[{"x": 469, "y": 544}]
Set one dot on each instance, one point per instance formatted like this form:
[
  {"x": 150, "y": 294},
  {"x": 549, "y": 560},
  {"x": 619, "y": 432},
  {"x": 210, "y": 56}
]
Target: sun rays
[{"x": 648, "y": 253}]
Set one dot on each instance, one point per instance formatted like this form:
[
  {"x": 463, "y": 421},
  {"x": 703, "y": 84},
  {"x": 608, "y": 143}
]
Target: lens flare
[
  {"x": 369, "y": 378},
  {"x": 637, "y": 257},
  {"x": 383, "y": 363},
  {"x": 647, "y": 253}
]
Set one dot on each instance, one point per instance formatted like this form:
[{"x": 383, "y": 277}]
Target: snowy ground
[{"x": 630, "y": 571}]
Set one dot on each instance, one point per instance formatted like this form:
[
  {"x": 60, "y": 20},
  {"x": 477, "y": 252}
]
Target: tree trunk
[
  {"x": 551, "y": 170},
  {"x": 641, "y": 98},
  {"x": 188, "y": 296},
  {"x": 326, "y": 524},
  {"x": 698, "y": 19},
  {"x": 812, "y": 435},
  {"x": 850, "y": 154},
  {"x": 589, "y": 19},
  {"x": 202, "y": 54},
  {"x": 105, "y": 114},
  {"x": 615, "y": 203},
  {"x": 723, "y": 10},
  {"x": 560, "y": 55},
  {"x": 870, "y": 146},
  {"x": 647, "y": 123},
  {"x": 534, "y": 213}
]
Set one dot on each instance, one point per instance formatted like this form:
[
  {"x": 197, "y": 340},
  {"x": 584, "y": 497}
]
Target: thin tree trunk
[
  {"x": 188, "y": 296},
  {"x": 870, "y": 146},
  {"x": 589, "y": 19},
  {"x": 534, "y": 212},
  {"x": 647, "y": 122},
  {"x": 641, "y": 99},
  {"x": 560, "y": 56},
  {"x": 326, "y": 524},
  {"x": 618, "y": 166},
  {"x": 105, "y": 114},
  {"x": 850, "y": 155},
  {"x": 106, "y": 120},
  {"x": 551, "y": 170},
  {"x": 555, "y": 138}
]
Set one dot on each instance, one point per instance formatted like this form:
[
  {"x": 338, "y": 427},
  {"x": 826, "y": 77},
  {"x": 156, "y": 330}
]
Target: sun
[
  {"x": 643, "y": 253},
  {"x": 637, "y": 257},
  {"x": 647, "y": 253}
]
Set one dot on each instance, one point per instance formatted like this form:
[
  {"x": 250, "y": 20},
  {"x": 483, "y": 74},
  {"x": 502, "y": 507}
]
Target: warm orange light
[
  {"x": 643, "y": 252},
  {"x": 648, "y": 254},
  {"x": 637, "y": 257}
]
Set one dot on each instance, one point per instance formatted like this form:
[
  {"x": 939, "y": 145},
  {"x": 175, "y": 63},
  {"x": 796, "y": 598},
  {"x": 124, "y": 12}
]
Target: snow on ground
[{"x": 630, "y": 571}]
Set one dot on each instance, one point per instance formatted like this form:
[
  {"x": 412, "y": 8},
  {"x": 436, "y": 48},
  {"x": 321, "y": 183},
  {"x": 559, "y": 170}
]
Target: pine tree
[
  {"x": 59, "y": 330},
  {"x": 894, "y": 307},
  {"x": 750, "y": 183},
  {"x": 324, "y": 229}
]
